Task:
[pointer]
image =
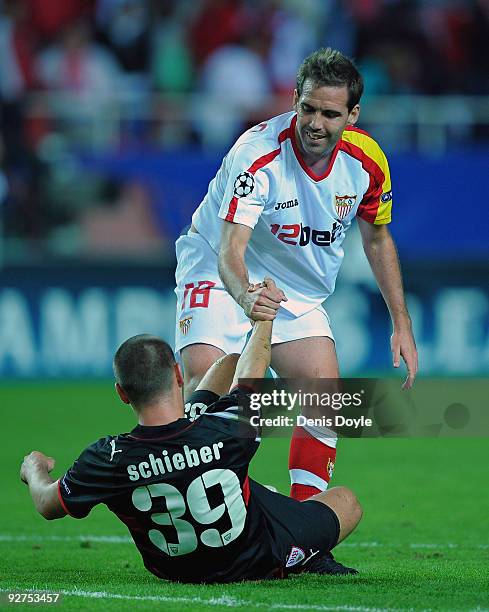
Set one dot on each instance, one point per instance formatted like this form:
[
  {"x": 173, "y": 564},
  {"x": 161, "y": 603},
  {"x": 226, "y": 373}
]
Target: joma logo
[{"x": 287, "y": 204}]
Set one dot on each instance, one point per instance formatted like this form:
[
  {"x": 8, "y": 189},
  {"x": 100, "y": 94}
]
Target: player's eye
[{"x": 306, "y": 108}]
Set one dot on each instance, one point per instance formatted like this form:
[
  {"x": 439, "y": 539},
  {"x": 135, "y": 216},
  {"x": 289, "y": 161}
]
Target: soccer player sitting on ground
[{"x": 181, "y": 486}]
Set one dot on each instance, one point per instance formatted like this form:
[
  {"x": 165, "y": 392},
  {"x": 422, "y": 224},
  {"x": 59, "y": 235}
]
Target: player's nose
[{"x": 316, "y": 122}]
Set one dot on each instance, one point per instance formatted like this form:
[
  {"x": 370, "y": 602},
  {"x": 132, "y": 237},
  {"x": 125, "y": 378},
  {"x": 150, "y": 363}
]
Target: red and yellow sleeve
[{"x": 376, "y": 204}]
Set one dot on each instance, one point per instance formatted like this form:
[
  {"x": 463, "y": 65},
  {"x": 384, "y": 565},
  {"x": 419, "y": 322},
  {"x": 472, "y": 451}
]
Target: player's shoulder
[
  {"x": 360, "y": 144},
  {"x": 266, "y": 136},
  {"x": 199, "y": 402},
  {"x": 105, "y": 448},
  {"x": 231, "y": 405}
]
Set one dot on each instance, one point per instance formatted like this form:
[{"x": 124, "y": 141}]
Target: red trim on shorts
[{"x": 259, "y": 163}]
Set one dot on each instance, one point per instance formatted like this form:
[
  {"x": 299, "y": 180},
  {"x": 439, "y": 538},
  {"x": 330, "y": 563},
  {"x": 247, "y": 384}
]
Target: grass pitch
[{"x": 423, "y": 542}]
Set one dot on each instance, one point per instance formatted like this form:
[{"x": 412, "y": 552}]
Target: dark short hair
[
  {"x": 143, "y": 367},
  {"x": 328, "y": 67}
]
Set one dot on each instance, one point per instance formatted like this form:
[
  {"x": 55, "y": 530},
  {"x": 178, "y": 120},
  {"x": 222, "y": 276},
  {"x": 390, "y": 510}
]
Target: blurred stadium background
[{"x": 115, "y": 114}]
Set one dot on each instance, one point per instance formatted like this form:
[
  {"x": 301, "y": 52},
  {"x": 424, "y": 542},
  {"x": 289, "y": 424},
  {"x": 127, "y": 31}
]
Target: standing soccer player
[{"x": 279, "y": 206}]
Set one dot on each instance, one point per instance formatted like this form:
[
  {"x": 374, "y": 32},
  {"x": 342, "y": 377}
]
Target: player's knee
[
  {"x": 190, "y": 383},
  {"x": 357, "y": 510},
  {"x": 200, "y": 356},
  {"x": 191, "y": 379},
  {"x": 350, "y": 504},
  {"x": 195, "y": 366}
]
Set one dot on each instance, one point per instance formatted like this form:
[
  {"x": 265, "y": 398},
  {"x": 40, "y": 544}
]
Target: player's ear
[
  {"x": 353, "y": 115},
  {"x": 122, "y": 394},
  {"x": 178, "y": 375},
  {"x": 295, "y": 101}
]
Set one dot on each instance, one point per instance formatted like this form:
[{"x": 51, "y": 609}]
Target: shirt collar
[{"x": 160, "y": 431}]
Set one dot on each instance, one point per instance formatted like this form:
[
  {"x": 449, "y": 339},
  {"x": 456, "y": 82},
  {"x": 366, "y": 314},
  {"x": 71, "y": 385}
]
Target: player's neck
[
  {"x": 318, "y": 166},
  {"x": 163, "y": 410}
]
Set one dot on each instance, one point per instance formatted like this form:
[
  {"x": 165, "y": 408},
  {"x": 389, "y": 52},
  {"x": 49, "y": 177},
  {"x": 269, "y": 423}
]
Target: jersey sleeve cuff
[
  {"x": 369, "y": 218},
  {"x": 206, "y": 396},
  {"x": 238, "y": 218},
  {"x": 61, "y": 500},
  {"x": 243, "y": 388}
]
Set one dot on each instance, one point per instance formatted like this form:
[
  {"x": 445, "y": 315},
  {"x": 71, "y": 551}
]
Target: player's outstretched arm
[
  {"x": 43, "y": 489},
  {"x": 382, "y": 255},
  {"x": 219, "y": 376},
  {"x": 255, "y": 358},
  {"x": 259, "y": 305}
]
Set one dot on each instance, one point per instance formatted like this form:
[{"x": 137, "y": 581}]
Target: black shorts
[{"x": 298, "y": 530}]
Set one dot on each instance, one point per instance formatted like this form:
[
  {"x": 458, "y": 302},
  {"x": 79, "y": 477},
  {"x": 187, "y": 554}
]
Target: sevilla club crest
[
  {"x": 185, "y": 324},
  {"x": 344, "y": 205}
]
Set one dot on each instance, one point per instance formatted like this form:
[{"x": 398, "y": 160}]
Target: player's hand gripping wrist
[{"x": 261, "y": 301}]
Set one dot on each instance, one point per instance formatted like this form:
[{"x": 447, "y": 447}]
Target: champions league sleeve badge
[{"x": 244, "y": 184}]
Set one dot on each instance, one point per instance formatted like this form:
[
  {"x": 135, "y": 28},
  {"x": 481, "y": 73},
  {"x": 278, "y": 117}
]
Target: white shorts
[{"x": 207, "y": 314}]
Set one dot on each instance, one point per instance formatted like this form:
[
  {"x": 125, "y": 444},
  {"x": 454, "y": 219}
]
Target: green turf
[{"x": 423, "y": 542}]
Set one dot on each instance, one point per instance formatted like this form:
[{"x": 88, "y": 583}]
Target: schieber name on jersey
[
  {"x": 302, "y": 235},
  {"x": 190, "y": 457},
  {"x": 264, "y": 182}
]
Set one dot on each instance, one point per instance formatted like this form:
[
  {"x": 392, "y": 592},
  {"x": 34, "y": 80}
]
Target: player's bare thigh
[
  {"x": 196, "y": 360},
  {"x": 313, "y": 357}
]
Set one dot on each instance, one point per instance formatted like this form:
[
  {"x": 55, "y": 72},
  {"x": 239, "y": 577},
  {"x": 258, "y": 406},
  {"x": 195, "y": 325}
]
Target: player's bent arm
[
  {"x": 260, "y": 303},
  {"x": 219, "y": 376},
  {"x": 232, "y": 267},
  {"x": 256, "y": 355},
  {"x": 43, "y": 489}
]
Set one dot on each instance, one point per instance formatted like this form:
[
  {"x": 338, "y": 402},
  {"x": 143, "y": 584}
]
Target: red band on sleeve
[
  {"x": 233, "y": 205},
  {"x": 246, "y": 490},
  {"x": 245, "y": 388},
  {"x": 61, "y": 500}
]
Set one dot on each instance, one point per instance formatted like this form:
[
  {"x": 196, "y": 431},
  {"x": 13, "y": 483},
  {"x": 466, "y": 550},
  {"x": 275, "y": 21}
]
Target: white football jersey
[{"x": 299, "y": 219}]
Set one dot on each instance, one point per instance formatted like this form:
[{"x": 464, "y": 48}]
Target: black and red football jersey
[{"x": 182, "y": 490}]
